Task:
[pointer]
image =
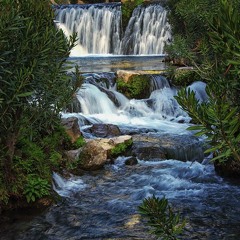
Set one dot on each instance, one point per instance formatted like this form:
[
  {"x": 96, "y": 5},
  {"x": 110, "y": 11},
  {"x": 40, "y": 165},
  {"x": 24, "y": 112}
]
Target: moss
[
  {"x": 80, "y": 142},
  {"x": 138, "y": 86},
  {"x": 121, "y": 148},
  {"x": 182, "y": 77}
]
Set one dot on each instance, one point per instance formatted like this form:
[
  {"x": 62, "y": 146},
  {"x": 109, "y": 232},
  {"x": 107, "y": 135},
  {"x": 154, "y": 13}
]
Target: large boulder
[
  {"x": 165, "y": 146},
  {"x": 98, "y": 152},
  {"x": 72, "y": 128}
]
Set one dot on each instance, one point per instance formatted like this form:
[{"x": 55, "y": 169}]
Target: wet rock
[
  {"x": 97, "y": 152},
  {"x": 104, "y": 130},
  {"x": 74, "y": 106},
  {"x": 165, "y": 146},
  {"x": 131, "y": 161},
  {"x": 230, "y": 169},
  {"x": 72, "y": 128}
]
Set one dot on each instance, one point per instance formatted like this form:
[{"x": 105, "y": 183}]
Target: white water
[
  {"x": 147, "y": 31},
  {"x": 98, "y": 28},
  {"x": 160, "y": 111}
]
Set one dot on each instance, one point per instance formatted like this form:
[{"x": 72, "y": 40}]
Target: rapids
[{"x": 103, "y": 204}]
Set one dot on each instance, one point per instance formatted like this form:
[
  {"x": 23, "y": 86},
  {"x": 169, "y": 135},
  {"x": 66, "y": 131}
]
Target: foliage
[
  {"x": 36, "y": 188},
  {"x": 219, "y": 118},
  {"x": 35, "y": 87},
  {"x": 219, "y": 122},
  {"x": 80, "y": 142},
  {"x": 163, "y": 221},
  {"x": 136, "y": 87},
  {"x": 127, "y": 9},
  {"x": 182, "y": 77},
  {"x": 121, "y": 148}
]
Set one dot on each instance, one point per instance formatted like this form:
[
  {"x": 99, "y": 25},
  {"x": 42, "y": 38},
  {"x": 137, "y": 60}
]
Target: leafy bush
[
  {"x": 163, "y": 221},
  {"x": 36, "y": 188},
  {"x": 215, "y": 56},
  {"x": 35, "y": 87}
]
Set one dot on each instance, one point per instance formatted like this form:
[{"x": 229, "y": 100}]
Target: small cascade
[
  {"x": 94, "y": 101},
  {"x": 100, "y": 102},
  {"x": 199, "y": 88},
  {"x": 166, "y": 104},
  {"x": 158, "y": 82},
  {"x": 97, "y": 28},
  {"x": 64, "y": 187},
  {"x": 147, "y": 31}
]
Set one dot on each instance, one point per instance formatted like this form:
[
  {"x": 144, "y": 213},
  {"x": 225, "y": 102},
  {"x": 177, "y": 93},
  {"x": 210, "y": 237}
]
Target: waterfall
[
  {"x": 147, "y": 31},
  {"x": 98, "y": 28},
  {"x": 158, "y": 82}
]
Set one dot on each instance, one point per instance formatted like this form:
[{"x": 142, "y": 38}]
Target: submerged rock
[{"x": 131, "y": 161}]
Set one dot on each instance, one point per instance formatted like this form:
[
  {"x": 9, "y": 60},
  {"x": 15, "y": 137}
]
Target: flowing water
[
  {"x": 103, "y": 204},
  {"x": 99, "y": 31}
]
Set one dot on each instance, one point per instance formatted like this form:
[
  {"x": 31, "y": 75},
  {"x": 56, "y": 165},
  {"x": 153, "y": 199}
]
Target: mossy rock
[
  {"x": 121, "y": 148},
  {"x": 184, "y": 77},
  {"x": 137, "y": 86}
]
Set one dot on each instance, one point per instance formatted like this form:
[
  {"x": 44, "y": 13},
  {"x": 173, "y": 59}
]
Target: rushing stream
[{"x": 103, "y": 204}]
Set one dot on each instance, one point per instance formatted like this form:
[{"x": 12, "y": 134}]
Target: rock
[
  {"x": 229, "y": 169},
  {"x": 131, "y": 161},
  {"x": 97, "y": 152},
  {"x": 73, "y": 155},
  {"x": 74, "y": 106},
  {"x": 72, "y": 128},
  {"x": 165, "y": 146},
  {"x": 104, "y": 130},
  {"x": 125, "y": 75}
]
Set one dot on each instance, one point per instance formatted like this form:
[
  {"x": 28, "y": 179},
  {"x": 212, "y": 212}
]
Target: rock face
[
  {"x": 229, "y": 169},
  {"x": 97, "y": 152},
  {"x": 104, "y": 130},
  {"x": 72, "y": 128},
  {"x": 165, "y": 146}
]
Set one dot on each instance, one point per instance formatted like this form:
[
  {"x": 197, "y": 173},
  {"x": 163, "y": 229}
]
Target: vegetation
[
  {"x": 121, "y": 148},
  {"x": 164, "y": 223},
  {"x": 127, "y": 8},
  {"x": 212, "y": 40},
  {"x": 137, "y": 86},
  {"x": 34, "y": 89}
]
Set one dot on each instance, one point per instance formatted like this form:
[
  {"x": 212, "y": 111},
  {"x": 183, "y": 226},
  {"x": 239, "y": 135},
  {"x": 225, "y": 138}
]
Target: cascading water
[
  {"x": 98, "y": 28},
  {"x": 147, "y": 31},
  {"x": 103, "y": 205}
]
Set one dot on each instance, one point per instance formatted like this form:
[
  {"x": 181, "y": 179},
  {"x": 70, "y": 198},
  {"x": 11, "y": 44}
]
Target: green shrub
[
  {"x": 36, "y": 188},
  {"x": 35, "y": 88},
  {"x": 164, "y": 223}
]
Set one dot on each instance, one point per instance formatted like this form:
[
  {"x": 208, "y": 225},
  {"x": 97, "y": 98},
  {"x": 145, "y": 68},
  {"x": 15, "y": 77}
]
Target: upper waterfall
[
  {"x": 147, "y": 31},
  {"x": 98, "y": 27}
]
